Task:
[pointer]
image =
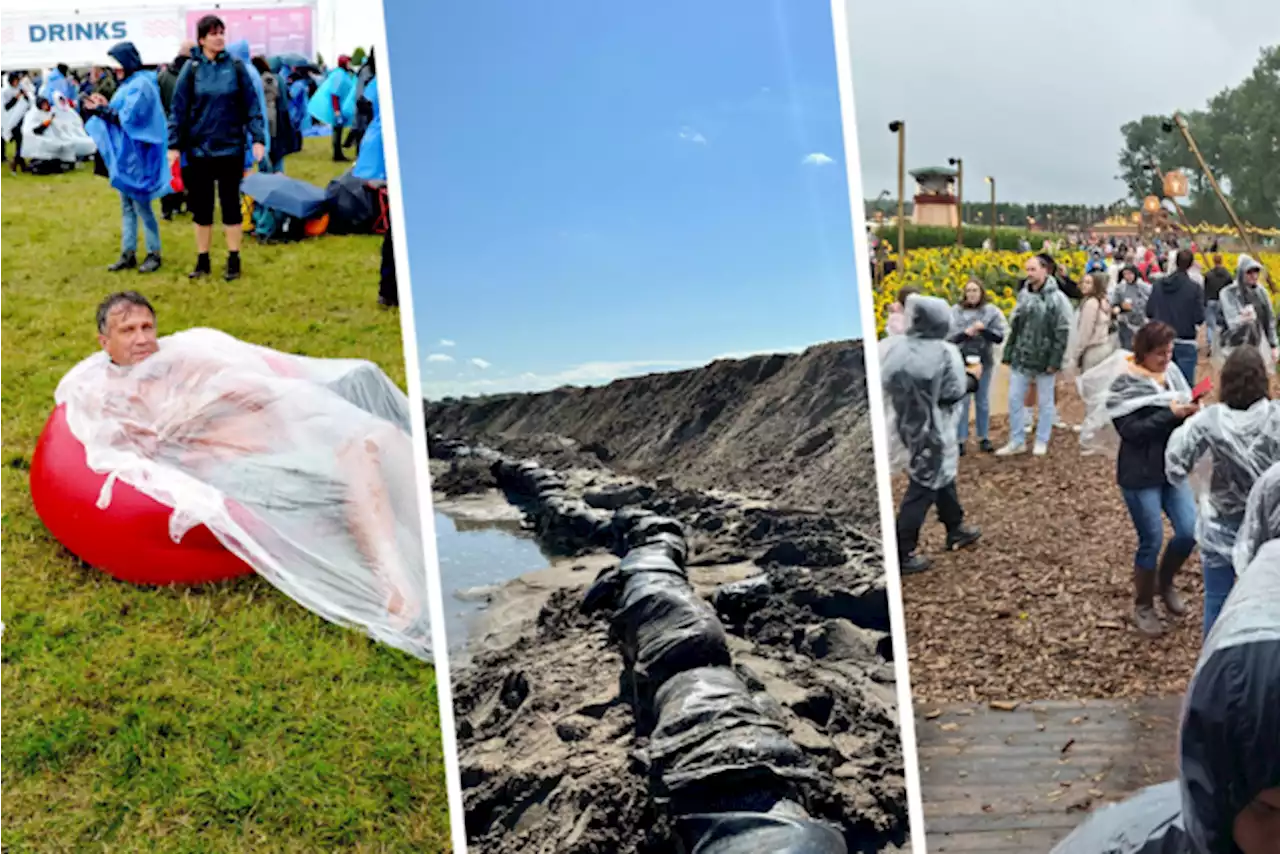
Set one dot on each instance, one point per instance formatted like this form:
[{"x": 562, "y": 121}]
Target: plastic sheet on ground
[
  {"x": 1261, "y": 519},
  {"x": 1112, "y": 390},
  {"x": 1229, "y": 743},
  {"x": 301, "y": 467},
  {"x": 924, "y": 381},
  {"x": 753, "y": 832},
  {"x": 664, "y": 627},
  {"x": 714, "y": 741},
  {"x": 1240, "y": 444},
  {"x": 605, "y": 590}
]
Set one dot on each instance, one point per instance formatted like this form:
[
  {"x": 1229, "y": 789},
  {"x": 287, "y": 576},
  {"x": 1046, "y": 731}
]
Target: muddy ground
[{"x": 551, "y": 760}]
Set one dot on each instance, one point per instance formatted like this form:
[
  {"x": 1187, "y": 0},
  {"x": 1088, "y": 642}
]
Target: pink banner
[{"x": 270, "y": 32}]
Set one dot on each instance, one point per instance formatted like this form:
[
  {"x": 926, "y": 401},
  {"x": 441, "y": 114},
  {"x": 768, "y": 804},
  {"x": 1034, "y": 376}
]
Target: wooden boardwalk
[{"x": 1020, "y": 780}]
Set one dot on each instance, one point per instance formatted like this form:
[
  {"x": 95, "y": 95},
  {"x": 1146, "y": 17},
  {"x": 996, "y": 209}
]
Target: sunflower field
[{"x": 944, "y": 273}]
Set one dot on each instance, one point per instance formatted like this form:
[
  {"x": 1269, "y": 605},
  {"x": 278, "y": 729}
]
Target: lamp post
[
  {"x": 900, "y": 128},
  {"x": 958, "y": 162},
  {"x": 992, "y": 182}
]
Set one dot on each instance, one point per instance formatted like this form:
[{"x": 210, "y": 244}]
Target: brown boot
[
  {"x": 1170, "y": 563},
  {"x": 1144, "y": 610}
]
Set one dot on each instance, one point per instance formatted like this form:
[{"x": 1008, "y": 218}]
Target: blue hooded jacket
[
  {"x": 215, "y": 108},
  {"x": 57, "y": 82},
  {"x": 371, "y": 164},
  {"x": 339, "y": 82},
  {"x": 130, "y": 133},
  {"x": 240, "y": 50}
]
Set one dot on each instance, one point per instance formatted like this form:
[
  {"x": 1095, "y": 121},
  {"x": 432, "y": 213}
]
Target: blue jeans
[
  {"x": 1145, "y": 506},
  {"x": 1219, "y": 578},
  {"x": 1210, "y": 321},
  {"x": 1185, "y": 356},
  {"x": 982, "y": 402},
  {"x": 131, "y": 211},
  {"x": 1019, "y": 384}
]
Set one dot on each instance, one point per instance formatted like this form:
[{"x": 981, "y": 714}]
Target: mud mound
[{"x": 792, "y": 426}]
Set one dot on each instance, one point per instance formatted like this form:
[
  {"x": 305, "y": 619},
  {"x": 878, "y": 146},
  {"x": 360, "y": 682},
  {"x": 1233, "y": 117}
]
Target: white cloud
[
  {"x": 480, "y": 363},
  {"x": 439, "y": 357},
  {"x": 688, "y": 134},
  {"x": 817, "y": 159},
  {"x": 445, "y": 342}
]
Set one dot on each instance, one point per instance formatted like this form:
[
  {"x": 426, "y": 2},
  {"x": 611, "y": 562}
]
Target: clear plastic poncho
[
  {"x": 924, "y": 382},
  {"x": 1247, "y": 317},
  {"x": 1115, "y": 388},
  {"x": 64, "y": 140},
  {"x": 1261, "y": 522},
  {"x": 13, "y": 115},
  {"x": 1240, "y": 444},
  {"x": 1229, "y": 740},
  {"x": 301, "y": 467}
]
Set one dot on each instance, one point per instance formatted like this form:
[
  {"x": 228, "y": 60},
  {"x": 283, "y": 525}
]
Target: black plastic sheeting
[
  {"x": 718, "y": 754},
  {"x": 755, "y": 833}
]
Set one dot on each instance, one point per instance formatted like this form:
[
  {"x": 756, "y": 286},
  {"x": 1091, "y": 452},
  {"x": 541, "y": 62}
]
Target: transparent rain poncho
[
  {"x": 1247, "y": 318},
  {"x": 1229, "y": 740},
  {"x": 924, "y": 381},
  {"x": 1113, "y": 389},
  {"x": 1261, "y": 522},
  {"x": 302, "y": 467},
  {"x": 1240, "y": 444}
]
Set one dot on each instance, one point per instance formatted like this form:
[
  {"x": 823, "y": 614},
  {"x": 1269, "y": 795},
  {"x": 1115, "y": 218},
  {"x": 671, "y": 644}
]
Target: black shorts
[{"x": 199, "y": 177}]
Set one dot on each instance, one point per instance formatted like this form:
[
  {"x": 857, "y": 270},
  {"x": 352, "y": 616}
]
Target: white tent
[{"x": 79, "y": 32}]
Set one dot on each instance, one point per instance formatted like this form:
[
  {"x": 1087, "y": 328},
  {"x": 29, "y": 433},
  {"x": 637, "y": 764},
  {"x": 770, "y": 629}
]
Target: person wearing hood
[
  {"x": 1035, "y": 351},
  {"x": 59, "y": 83},
  {"x": 43, "y": 150},
  {"x": 1241, "y": 434},
  {"x": 131, "y": 135},
  {"x": 1226, "y": 799},
  {"x": 328, "y": 105},
  {"x": 1129, "y": 304},
  {"x": 977, "y": 326},
  {"x": 1261, "y": 522},
  {"x": 1246, "y": 318},
  {"x": 1214, "y": 281},
  {"x": 1178, "y": 301},
  {"x": 925, "y": 382},
  {"x": 216, "y": 123},
  {"x": 239, "y": 50}
]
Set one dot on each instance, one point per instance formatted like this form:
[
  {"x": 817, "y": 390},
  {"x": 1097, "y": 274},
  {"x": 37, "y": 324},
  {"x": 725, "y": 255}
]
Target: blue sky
[{"x": 595, "y": 190}]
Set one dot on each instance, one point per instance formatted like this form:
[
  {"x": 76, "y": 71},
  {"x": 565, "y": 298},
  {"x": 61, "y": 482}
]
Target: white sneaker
[
  {"x": 1030, "y": 428},
  {"x": 1062, "y": 425},
  {"x": 1011, "y": 449},
  {"x": 1040, "y": 449}
]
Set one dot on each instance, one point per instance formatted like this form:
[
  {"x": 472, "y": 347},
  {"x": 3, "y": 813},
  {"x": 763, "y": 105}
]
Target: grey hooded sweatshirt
[{"x": 1234, "y": 298}]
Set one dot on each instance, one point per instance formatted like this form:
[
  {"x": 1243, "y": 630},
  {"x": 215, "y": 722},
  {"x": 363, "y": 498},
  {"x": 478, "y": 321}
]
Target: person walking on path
[
  {"x": 1241, "y": 434},
  {"x": 1035, "y": 351},
  {"x": 1214, "y": 281},
  {"x": 215, "y": 111},
  {"x": 130, "y": 135},
  {"x": 1246, "y": 318},
  {"x": 977, "y": 327},
  {"x": 1146, "y": 403},
  {"x": 924, "y": 382},
  {"x": 1179, "y": 302}
]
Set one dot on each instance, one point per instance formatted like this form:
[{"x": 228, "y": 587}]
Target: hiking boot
[
  {"x": 203, "y": 268},
  {"x": 126, "y": 261},
  {"x": 1144, "y": 611},
  {"x": 962, "y": 537},
  {"x": 914, "y": 563},
  {"x": 1170, "y": 563},
  {"x": 986, "y": 447},
  {"x": 233, "y": 268},
  {"x": 1012, "y": 449},
  {"x": 151, "y": 263}
]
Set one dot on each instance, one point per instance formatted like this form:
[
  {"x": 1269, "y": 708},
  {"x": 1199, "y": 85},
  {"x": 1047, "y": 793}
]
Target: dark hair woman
[
  {"x": 1241, "y": 433},
  {"x": 976, "y": 327},
  {"x": 1146, "y": 402},
  {"x": 214, "y": 111}
]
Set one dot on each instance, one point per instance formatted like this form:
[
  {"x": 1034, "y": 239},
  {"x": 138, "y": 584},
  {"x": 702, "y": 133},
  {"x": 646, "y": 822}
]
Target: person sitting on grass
[
  {"x": 302, "y": 467},
  {"x": 131, "y": 134},
  {"x": 1227, "y": 795},
  {"x": 924, "y": 382}
]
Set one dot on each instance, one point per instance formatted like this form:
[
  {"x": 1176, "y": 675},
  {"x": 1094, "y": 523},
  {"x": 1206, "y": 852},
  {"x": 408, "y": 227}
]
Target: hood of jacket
[
  {"x": 128, "y": 57},
  {"x": 1171, "y": 282},
  {"x": 928, "y": 317},
  {"x": 1243, "y": 265},
  {"x": 240, "y": 50}
]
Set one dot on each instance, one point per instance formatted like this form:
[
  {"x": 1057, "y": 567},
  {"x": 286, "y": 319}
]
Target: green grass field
[{"x": 219, "y": 719}]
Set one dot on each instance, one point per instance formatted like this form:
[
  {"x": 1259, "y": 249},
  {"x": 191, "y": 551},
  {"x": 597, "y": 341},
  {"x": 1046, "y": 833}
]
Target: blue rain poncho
[
  {"x": 240, "y": 50},
  {"x": 339, "y": 82},
  {"x": 371, "y": 164},
  {"x": 132, "y": 134},
  {"x": 58, "y": 83},
  {"x": 1229, "y": 742}
]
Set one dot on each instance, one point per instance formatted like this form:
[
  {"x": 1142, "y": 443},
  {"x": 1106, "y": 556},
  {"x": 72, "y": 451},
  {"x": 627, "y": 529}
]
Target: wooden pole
[{"x": 1181, "y": 125}]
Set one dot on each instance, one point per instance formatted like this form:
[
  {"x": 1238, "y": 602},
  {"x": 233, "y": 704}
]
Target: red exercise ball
[{"x": 130, "y": 539}]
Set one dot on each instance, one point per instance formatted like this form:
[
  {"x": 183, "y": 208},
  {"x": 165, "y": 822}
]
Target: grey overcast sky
[{"x": 1034, "y": 91}]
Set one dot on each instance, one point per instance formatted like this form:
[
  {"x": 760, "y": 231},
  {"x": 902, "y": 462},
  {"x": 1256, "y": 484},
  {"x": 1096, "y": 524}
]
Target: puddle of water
[{"x": 476, "y": 557}]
